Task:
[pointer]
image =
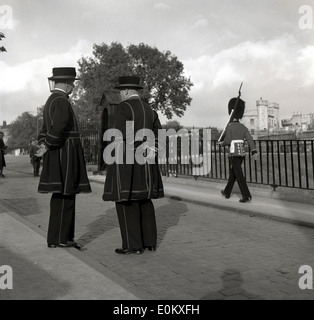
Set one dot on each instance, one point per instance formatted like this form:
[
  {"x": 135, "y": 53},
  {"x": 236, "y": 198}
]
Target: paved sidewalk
[
  {"x": 289, "y": 205},
  {"x": 208, "y": 247},
  {"x": 50, "y": 274}
]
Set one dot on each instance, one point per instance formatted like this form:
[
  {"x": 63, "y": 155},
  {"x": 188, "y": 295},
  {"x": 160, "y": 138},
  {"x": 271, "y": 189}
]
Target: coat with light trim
[
  {"x": 135, "y": 181},
  {"x": 64, "y": 168}
]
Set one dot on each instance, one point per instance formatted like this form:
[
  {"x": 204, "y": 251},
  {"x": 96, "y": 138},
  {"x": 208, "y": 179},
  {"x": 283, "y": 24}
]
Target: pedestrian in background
[
  {"x": 132, "y": 186},
  {"x": 235, "y": 136},
  {"x": 35, "y": 161},
  {"x": 3, "y": 148},
  {"x": 64, "y": 171}
]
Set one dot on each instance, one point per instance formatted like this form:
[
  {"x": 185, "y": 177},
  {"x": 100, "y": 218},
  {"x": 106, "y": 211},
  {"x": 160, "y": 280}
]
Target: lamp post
[
  {"x": 37, "y": 116},
  {"x": 36, "y": 113}
]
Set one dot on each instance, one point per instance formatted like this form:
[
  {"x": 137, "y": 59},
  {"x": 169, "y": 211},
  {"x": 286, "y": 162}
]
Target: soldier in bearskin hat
[
  {"x": 64, "y": 170},
  {"x": 236, "y": 134},
  {"x": 132, "y": 186}
]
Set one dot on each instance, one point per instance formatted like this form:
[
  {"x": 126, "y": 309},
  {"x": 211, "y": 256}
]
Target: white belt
[{"x": 233, "y": 142}]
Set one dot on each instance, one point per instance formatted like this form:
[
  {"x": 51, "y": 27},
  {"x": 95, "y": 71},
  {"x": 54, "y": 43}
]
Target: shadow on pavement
[
  {"x": 168, "y": 216},
  {"x": 104, "y": 223},
  {"x": 22, "y": 206},
  {"x": 232, "y": 282}
]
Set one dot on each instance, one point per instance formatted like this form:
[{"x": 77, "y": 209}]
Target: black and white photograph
[{"x": 156, "y": 155}]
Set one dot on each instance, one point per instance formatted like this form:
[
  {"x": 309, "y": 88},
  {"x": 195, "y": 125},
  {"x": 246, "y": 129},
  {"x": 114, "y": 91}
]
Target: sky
[{"x": 268, "y": 45}]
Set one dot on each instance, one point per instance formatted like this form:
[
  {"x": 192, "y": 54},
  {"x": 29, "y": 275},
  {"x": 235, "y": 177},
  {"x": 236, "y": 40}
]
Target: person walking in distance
[
  {"x": 235, "y": 136},
  {"x": 133, "y": 184},
  {"x": 3, "y": 147},
  {"x": 64, "y": 171},
  {"x": 35, "y": 161}
]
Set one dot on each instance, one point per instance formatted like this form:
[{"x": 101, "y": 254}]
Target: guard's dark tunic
[
  {"x": 64, "y": 168},
  {"x": 136, "y": 181},
  {"x": 237, "y": 131}
]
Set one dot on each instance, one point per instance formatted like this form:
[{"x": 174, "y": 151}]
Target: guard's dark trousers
[
  {"x": 137, "y": 223},
  {"x": 236, "y": 174},
  {"x": 62, "y": 219}
]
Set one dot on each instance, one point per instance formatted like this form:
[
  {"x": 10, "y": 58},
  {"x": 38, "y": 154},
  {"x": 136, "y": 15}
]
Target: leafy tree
[
  {"x": 23, "y": 129},
  {"x": 2, "y": 49},
  {"x": 165, "y": 87},
  {"x": 173, "y": 124}
]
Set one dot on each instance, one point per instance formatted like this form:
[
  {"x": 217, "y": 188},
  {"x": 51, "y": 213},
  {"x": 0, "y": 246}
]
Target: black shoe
[
  {"x": 245, "y": 200},
  {"x": 129, "y": 251},
  {"x": 224, "y": 194},
  {"x": 150, "y": 248},
  {"x": 69, "y": 244}
]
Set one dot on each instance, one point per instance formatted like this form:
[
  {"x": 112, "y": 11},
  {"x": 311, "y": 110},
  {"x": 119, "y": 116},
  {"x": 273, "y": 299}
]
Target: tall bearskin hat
[{"x": 238, "y": 107}]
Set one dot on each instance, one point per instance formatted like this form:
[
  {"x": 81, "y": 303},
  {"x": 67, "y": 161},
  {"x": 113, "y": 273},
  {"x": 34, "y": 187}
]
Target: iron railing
[
  {"x": 90, "y": 142},
  {"x": 284, "y": 163}
]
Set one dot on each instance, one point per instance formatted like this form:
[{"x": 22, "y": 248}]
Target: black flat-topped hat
[
  {"x": 129, "y": 82},
  {"x": 63, "y": 73}
]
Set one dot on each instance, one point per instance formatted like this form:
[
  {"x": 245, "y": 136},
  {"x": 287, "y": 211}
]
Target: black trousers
[
  {"x": 137, "y": 223},
  {"x": 62, "y": 219},
  {"x": 236, "y": 174},
  {"x": 36, "y": 166}
]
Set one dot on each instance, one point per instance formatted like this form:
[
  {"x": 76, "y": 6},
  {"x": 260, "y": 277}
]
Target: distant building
[
  {"x": 5, "y": 129},
  {"x": 263, "y": 119},
  {"x": 298, "y": 122}
]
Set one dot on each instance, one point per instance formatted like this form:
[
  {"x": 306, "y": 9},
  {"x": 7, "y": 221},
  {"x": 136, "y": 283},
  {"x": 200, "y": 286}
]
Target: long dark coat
[
  {"x": 64, "y": 168},
  {"x": 136, "y": 181},
  {"x": 2, "y": 160}
]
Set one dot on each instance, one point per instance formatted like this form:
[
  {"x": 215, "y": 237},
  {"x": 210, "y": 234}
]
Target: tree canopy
[
  {"x": 2, "y": 49},
  {"x": 23, "y": 129},
  {"x": 165, "y": 87},
  {"x": 173, "y": 124}
]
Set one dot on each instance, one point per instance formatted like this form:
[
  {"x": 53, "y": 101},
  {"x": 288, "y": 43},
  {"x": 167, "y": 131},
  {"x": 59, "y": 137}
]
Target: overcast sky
[{"x": 220, "y": 42}]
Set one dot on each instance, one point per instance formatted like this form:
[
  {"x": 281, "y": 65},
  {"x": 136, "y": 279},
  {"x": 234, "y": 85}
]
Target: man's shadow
[
  {"x": 167, "y": 216},
  {"x": 232, "y": 282},
  {"x": 104, "y": 223}
]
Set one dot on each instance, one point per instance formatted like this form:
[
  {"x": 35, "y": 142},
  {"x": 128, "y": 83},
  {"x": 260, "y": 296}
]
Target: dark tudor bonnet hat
[
  {"x": 129, "y": 82},
  {"x": 63, "y": 73}
]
